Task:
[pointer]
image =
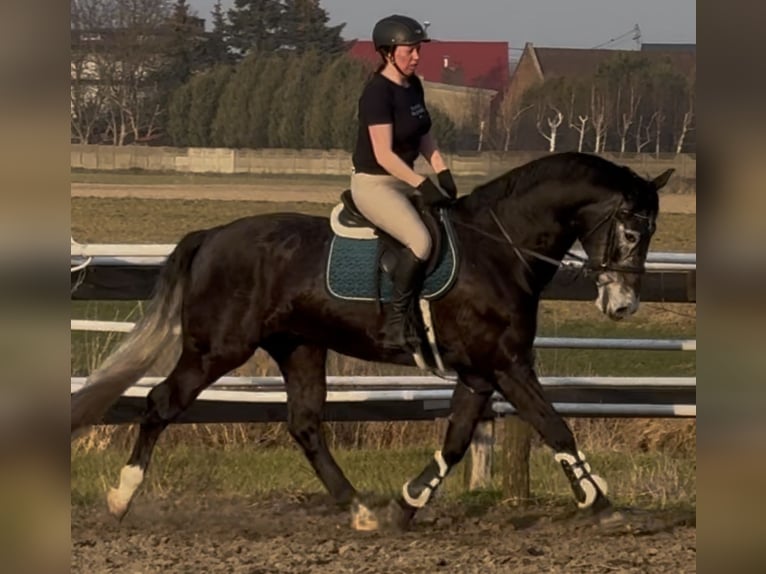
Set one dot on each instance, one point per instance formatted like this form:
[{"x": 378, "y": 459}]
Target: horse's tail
[{"x": 152, "y": 335}]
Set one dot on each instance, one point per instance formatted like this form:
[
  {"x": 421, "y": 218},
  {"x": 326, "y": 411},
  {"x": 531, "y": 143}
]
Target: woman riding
[{"x": 394, "y": 128}]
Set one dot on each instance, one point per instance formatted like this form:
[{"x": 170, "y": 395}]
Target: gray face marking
[{"x": 615, "y": 299}]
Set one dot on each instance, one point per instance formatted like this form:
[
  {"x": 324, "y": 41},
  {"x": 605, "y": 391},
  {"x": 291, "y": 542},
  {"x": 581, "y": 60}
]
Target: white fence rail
[
  {"x": 155, "y": 254},
  {"x": 435, "y": 393},
  {"x": 606, "y": 396}
]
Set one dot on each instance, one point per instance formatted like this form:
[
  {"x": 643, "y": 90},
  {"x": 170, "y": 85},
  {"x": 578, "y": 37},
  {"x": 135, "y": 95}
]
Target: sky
[{"x": 553, "y": 23}]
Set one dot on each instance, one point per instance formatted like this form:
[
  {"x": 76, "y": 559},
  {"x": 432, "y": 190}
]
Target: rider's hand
[
  {"x": 447, "y": 183},
  {"x": 431, "y": 194}
]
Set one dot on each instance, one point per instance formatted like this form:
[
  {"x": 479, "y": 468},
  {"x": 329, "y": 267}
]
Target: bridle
[
  {"x": 619, "y": 214},
  {"x": 589, "y": 265}
]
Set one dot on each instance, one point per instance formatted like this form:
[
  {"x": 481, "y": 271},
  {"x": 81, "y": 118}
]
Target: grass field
[{"x": 652, "y": 461}]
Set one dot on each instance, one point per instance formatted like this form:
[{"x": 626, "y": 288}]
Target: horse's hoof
[
  {"x": 362, "y": 518},
  {"x": 117, "y": 504},
  {"x": 400, "y": 514}
]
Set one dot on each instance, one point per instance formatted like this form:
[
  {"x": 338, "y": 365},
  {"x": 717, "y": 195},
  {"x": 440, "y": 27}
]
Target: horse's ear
[{"x": 662, "y": 179}]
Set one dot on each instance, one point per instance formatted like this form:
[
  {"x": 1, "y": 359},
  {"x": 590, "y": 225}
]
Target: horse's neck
[{"x": 541, "y": 219}]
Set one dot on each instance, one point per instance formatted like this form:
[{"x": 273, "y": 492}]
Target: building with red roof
[{"x": 472, "y": 64}]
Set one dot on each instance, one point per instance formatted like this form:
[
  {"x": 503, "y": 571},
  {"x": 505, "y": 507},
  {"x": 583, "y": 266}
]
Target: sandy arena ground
[{"x": 308, "y": 535}]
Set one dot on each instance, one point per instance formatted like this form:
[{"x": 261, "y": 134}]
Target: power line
[{"x": 636, "y": 31}]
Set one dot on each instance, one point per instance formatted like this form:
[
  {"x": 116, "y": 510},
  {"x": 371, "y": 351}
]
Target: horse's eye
[{"x": 632, "y": 237}]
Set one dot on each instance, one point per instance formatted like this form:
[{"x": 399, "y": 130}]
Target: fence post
[
  {"x": 480, "y": 456},
  {"x": 517, "y": 442}
]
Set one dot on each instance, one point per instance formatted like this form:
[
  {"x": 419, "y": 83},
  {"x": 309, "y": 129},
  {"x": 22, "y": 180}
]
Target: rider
[{"x": 394, "y": 127}]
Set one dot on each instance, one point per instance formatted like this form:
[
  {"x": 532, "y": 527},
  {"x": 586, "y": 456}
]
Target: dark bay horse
[{"x": 260, "y": 282}]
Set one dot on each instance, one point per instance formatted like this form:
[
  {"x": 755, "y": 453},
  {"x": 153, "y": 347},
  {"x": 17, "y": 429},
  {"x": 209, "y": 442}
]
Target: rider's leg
[{"x": 383, "y": 200}]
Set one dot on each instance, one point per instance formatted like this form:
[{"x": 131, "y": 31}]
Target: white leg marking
[
  {"x": 363, "y": 519},
  {"x": 590, "y": 483},
  {"x": 423, "y": 498},
  {"x": 118, "y": 499}
]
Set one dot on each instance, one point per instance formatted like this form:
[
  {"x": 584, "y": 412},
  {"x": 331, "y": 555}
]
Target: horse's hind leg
[
  {"x": 303, "y": 368},
  {"x": 468, "y": 402},
  {"x": 519, "y": 384},
  {"x": 165, "y": 403}
]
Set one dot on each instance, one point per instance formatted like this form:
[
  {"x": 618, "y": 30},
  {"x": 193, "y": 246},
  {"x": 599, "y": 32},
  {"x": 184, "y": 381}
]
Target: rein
[
  {"x": 518, "y": 249},
  {"x": 587, "y": 266}
]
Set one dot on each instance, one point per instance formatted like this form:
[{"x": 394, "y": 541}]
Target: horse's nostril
[{"x": 622, "y": 310}]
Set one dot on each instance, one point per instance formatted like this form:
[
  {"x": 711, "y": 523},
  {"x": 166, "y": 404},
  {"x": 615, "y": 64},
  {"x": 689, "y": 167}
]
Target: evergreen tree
[
  {"x": 231, "y": 124},
  {"x": 216, "y": 48},
  {"x": 350, "y": 76},
  {"x": 206, "y": 90},
  {"x": 290, "y": 108},
  {"x": 254, "y": 26},
  {"x": 303, "y": 27},
  {"x": 267, "y": 88},
  {"x": 178, "y": 116},
  {"x": 317, "y": 119},
  {"x": 443, "y": 129},
  {"x": 275, "y": 25}
]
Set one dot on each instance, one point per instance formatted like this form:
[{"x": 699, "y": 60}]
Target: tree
[
  {"x": 443, "y": 129},
  {"x": 548, "y": 99},
  {"x": 254, "y": 26},
  {"x": 350, "y": 76},
  {"x": 599, "y": 98},
  {"x": 206, "y": 90},
  {"x": 216, "y": 47},
  {"x": 178, "y": 116},
  {"x": 316, "y": 123},
  {"x": 117, "y": 48},
  {"x": 509, "y": 113},
  {"x": 578, "y": 112},
  {"x": 626, "y": 75},
  {"x": 291, "y": 108},
  {"x": 690, "y": 89},
  {"x": 304, "y": 27},
  {"x": 267, "y": 84}
]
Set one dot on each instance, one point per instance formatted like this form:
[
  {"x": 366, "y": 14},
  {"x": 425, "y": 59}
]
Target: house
[
  {"x": 669, "y": 48},
  {"x": 470, "y": 64},
  {"x": 539, "y": 64}
]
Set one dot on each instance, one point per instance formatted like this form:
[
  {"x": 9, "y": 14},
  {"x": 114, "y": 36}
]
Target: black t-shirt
[{"x": 385, "y": 102}]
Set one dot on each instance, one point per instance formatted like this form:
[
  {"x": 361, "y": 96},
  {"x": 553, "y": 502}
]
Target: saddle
[
  {"x": 362, "y": 257},
  {"x": 347, "y": 221}
]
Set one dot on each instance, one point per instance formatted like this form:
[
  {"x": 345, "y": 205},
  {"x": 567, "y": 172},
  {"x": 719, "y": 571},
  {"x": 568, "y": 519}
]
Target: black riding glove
[
  {"x": 431, "y": 194},
  {"x": 447, "y": 183}
]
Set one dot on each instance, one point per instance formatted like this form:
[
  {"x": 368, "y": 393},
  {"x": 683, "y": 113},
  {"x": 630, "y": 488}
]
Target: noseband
[
  {"x": 604, "y": 264},
  {"x": 590, "y": 265}
]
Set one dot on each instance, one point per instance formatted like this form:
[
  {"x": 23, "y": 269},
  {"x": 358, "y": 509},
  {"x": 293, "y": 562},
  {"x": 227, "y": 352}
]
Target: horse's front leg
[
  {"x": 517, "y": 381},
  {"x": 468, "y": 402}
]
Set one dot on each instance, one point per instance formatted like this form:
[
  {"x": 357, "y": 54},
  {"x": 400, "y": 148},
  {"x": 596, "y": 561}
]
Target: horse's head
[{"x": 615, "y": 233}]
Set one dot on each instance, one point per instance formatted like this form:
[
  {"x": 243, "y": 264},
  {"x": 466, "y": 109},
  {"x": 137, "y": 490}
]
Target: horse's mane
[{"x": 566, "y": 167}]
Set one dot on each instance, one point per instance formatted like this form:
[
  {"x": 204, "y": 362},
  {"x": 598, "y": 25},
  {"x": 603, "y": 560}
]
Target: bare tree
[
  {"x": 642, "y": 142},
  {"x": 627, "y": 113},
  {"x": 553, "y": 122},
  {"x": 116, "y": 49},
  {"x": 686, "y": 122},
  {"x": 580, "y": 125},
  {"x": 510, "y": 111},
  {"x": 658, "y": 123},
  {"x": 598, "y": 110}
]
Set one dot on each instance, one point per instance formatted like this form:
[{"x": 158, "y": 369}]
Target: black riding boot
[{"x": 399, "y": 331}]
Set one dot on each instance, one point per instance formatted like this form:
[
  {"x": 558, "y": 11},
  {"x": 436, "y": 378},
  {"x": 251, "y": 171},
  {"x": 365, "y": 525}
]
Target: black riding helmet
[{"x": 397, "y": 30}]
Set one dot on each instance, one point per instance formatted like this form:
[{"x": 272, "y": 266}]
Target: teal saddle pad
[{"x": 352, "y": 268}]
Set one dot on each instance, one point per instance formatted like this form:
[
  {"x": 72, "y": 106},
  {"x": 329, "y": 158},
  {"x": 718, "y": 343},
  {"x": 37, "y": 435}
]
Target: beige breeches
[{"x": 383, "y": 199}]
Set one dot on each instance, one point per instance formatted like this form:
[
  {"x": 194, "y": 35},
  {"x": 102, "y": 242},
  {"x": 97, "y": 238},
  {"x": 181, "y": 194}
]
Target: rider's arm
[
  {"x": 431, "y": 153},
  {"x": 381, "y": 136}
]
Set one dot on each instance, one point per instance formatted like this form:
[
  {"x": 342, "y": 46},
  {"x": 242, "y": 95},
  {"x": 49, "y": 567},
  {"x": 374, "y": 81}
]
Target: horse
[{"x": 262, "y": 282}]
